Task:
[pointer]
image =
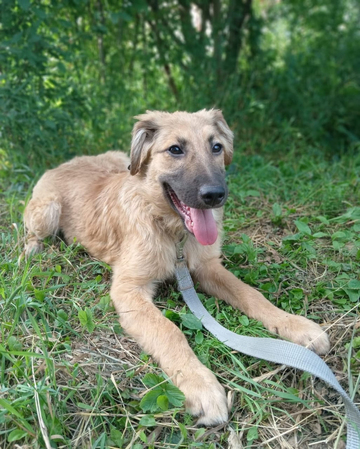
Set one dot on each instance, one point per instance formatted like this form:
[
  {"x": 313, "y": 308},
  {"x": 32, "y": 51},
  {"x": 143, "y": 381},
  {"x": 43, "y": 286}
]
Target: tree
[{"x": 202, "y": 39}]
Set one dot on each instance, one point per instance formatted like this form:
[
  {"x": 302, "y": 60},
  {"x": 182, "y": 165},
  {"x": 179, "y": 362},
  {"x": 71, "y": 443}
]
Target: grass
[{"x": 71, "y": 378}]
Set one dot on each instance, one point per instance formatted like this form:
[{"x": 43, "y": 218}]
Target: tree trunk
[
  {"x": 101, "y": 43},
  {"x": 239, "y": 13}
]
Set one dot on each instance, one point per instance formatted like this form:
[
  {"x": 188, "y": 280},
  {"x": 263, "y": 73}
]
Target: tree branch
[{"x": 164, "y": 62}]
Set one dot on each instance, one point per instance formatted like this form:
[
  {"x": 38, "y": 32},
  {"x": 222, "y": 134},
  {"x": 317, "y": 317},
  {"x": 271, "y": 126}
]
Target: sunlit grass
[{"x": 69, "y": 376}]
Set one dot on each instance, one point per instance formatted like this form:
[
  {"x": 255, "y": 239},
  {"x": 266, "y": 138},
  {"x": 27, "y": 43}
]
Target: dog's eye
[
  {"x": 217, "y": 148},
  {"x": 175, "y": 150}
]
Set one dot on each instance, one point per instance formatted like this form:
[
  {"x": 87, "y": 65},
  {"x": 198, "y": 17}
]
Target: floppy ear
[
  {"x": 142, "y": 139},
  {"x": 226, "y": 132}
]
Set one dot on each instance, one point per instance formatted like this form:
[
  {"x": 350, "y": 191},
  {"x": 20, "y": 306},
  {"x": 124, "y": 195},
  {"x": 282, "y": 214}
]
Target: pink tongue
[{"x": 204, "y": 228}]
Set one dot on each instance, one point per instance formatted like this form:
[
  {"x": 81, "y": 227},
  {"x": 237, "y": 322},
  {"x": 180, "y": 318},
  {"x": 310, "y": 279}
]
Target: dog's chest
[{"x": 162, "y": 255}]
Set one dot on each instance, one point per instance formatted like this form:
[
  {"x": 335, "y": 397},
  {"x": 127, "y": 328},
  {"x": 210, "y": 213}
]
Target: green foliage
[
  {"x": 252, "y": 434},
  {"x": 191, "y": 322},
  {"x": 86, "y": 319},
  {"x": 74, "y": 73},
  {"x": 316, "y": 89},
  {"x": 161, "y": 394},
  {"x": 39, "y": 98}
]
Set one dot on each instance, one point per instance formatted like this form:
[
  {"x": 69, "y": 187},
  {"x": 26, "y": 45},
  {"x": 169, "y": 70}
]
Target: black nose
[{"x": 212, "y": 195}]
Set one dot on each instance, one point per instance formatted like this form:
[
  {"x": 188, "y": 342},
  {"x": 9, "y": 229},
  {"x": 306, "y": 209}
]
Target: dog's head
[{"x": 186, "y": 153}]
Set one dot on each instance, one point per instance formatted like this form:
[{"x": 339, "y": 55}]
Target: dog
[{"x": 130, "y": 213}]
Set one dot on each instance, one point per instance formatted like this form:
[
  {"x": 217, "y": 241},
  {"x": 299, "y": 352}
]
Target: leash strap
[{"x": 277, "y": 351}]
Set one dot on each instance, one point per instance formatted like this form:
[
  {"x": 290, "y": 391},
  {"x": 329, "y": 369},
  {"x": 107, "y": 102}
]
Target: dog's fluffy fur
[{"x": 128, "y": 219}]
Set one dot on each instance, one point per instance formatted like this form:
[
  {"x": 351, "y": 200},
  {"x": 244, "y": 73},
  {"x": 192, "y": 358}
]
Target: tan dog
[{"x": 132, "y": 220}]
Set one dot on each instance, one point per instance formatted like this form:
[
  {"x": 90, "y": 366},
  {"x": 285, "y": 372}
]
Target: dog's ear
[
  {"x": 226, "y": 132},
  {"x": 142, "y": 140}
]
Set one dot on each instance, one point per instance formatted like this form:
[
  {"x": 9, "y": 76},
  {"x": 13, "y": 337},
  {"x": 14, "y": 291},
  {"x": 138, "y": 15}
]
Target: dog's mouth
[{"x": 199, "y": 222}]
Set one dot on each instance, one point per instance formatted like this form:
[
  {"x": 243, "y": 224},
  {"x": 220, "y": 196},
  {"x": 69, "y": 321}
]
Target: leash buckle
[{"x": 180, "y": 249}]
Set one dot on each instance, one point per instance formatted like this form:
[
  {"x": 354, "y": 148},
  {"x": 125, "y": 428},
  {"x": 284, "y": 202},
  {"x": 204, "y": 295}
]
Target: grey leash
[{"x": 277, "y": 351}]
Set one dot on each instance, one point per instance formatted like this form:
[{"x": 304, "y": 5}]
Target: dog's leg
[
  {"x": 215, "y": 280},
  {"x": 161, "y": 338},
  {"x": 42, "y": 216}
]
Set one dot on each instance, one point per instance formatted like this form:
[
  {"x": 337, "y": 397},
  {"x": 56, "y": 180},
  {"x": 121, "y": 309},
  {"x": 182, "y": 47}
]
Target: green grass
[{"x": 71, "y": 378}]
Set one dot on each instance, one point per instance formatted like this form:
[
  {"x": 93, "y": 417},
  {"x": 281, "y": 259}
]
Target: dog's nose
[{"x": 212, "y": 195}]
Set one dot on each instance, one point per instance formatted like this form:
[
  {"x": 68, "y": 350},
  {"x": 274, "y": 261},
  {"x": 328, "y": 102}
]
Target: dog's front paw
[
  {"x": 205, "y": 397},
  {"x": 304, "y": 332}
]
